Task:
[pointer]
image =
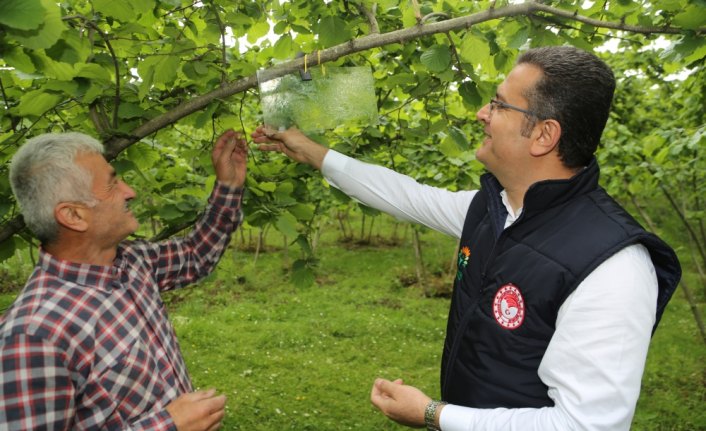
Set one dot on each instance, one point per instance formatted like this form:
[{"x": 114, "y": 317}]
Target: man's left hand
[
  {"x": 229, "y": 157},
  {"x": 402, "y": 403}
]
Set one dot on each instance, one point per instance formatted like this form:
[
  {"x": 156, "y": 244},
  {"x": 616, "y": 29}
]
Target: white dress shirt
[{"x": 594, "y": 362}]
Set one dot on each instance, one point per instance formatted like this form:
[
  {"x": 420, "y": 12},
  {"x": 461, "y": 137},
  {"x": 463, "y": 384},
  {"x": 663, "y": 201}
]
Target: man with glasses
[
  {"x": 558, "y": 289},
  {"x": 87, "y": 343}
]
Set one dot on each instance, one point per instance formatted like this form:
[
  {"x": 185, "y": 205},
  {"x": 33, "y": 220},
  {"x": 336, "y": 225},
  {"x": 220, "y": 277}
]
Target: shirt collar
[
  {"x": 79, "y": 273},
  {"x": 511, "y": 215}
]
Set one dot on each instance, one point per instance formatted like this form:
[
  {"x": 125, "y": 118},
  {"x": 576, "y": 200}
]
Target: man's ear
[
  {"x": 547, "y": 139},
  {"x": 72, "y": 216}
]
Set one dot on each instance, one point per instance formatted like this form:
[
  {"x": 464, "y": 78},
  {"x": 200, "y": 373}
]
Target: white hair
[{"x": 44, "y": 173}]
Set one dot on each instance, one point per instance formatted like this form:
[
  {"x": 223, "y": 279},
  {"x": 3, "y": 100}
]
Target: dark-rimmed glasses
[{"x": 495, "y": 104}]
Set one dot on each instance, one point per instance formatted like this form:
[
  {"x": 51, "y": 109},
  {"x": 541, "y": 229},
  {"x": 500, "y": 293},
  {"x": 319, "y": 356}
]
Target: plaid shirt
[{"x": 89, "y": 347}]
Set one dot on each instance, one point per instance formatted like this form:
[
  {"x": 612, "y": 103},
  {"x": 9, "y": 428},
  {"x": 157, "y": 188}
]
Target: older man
[
  {"x": 558, "y": 289},
  {"x": 87, "y": 343}
]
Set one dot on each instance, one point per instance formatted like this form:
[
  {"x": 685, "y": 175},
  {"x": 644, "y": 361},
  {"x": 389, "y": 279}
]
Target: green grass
[{"x": 292, "y": 358}]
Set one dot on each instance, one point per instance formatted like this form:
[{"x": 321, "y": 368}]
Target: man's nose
[
  {"x": 127, "y": 190},
  {"x": 483, "y": 113}
]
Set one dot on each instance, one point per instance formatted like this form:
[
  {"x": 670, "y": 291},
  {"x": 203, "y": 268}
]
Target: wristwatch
[{"x": 430, "y": 415}]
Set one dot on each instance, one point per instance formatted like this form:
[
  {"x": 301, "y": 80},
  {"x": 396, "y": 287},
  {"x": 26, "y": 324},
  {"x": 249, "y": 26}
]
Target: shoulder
[{"x": 54, "y": 310}]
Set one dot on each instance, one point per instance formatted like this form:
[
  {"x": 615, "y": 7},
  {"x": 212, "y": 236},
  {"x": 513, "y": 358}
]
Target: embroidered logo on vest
[
  {"x": 463, "y": 256},
  {"x": 509, "y": 307}
]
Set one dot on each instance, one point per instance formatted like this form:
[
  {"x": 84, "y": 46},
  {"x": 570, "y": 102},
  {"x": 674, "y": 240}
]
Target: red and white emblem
[{"x": 509, "y": 307}]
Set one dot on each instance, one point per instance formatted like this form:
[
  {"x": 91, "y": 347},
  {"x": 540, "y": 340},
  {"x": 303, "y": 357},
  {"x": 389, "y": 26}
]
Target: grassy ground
[{"x": 293, "y": 358}]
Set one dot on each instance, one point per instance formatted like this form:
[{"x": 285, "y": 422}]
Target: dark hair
[{"x": 576, "y": 89}]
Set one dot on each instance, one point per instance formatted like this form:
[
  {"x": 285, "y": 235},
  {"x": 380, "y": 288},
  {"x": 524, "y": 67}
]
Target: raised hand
[
  {"x": 229, "y": 158},
  {"x": 291, "y": 142},
  {"x": 198, "y": 411}
]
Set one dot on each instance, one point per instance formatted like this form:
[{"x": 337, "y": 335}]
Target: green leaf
[
  {"x": 129, "y": 110},
  {"x": 693, "y": 17},
  {"x": 518, "y": 38},
  {"x": 474, "y": 49},
  {"x": 437, "y": 58},
  {"x": 470, "y": 94},
  {"x": 52, "y": 68},
  {"x": 165, "y": 71},
  {"x": 7, "y": 249},
  {"x": 169, "y": 212},
  {"x": 17, "y": 58},
  {"x": 119, "y": 9},
  {"x": 22, "y": 14},
  {"x": 302, "y": 274},
  {"x": 93, "y": 71},
  {"x": 302, "y": 211},
  {"x": 258, "y": 30},
  {"x": 449, "y": 148},
  {"x": 333, "y": 30},
  {"x": 459, "y": 137},
  {"x": 283, "y": 47},
  {"x": 287, "y": 224},
  {"x": 143, "y": 155},
  {"x": 37, "y": 102},
  {"x": 267, "y": 186},
  {"x": 47, "y": 34}
]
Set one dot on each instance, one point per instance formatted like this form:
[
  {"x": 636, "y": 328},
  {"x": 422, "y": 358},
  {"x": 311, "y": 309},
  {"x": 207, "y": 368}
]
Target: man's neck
[
  {"x": 516, "y": 190},
  {"x": 82, "y": 253}
]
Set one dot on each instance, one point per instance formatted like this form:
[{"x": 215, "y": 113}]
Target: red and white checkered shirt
[{"x": 88, "y": 347}]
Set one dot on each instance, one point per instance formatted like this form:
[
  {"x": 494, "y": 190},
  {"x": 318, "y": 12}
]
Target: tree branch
[
  {"x": 116, "y": 65},
  {"x": 224, "y": 58},
  {"x": 370, "y": 15}
]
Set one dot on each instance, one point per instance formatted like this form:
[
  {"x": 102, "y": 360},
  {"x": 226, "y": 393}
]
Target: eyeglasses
[{"x": 495, "y": 104}]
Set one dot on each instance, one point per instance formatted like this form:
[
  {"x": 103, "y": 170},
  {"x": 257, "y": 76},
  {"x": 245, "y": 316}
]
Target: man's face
[
  {"x": 505, "y": 147},
  {"x": 111, "y": 218}
]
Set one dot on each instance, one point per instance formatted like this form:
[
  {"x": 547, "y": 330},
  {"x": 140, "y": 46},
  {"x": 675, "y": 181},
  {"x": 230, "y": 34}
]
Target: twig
[
  {"x": 370, "y": 15},
  {"x": 116, "y": 65},
  {"x": 224, "y": 59}
]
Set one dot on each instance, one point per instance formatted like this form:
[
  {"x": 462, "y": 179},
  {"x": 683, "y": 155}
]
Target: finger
[
  {"x": 382, "y": 386},
  {"x": 214, "y": 404},
  {"x": 227, "y": 136},
  {"x": 265, "y": 134},
  {"x": 216, "y": 411},
  {"x": 387, "y": 388},
  {"x": 270, "y": 147}
]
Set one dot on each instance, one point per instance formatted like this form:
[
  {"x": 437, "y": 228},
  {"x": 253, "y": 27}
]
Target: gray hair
[{"x": 44, "y": 173}]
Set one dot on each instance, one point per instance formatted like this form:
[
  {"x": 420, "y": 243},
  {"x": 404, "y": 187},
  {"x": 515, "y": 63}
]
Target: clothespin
[{"x": 304, "y": 73}]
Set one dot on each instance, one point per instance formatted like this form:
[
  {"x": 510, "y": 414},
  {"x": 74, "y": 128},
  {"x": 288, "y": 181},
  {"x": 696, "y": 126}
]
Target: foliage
[{"x": 154, "y": 71}]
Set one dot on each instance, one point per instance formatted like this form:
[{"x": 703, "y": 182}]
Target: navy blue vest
[{"x": 511, "y": 283}]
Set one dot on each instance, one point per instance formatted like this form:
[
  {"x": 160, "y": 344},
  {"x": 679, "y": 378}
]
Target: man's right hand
[
  {"x": 198, "y": 411},
  {"x": 291, "y": 142}
]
